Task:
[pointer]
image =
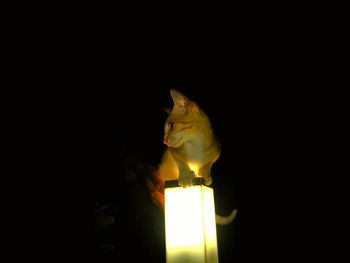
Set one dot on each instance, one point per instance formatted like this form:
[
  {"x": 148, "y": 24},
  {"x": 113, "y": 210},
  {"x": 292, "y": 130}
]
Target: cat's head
[{"x": 185, "y": 120}]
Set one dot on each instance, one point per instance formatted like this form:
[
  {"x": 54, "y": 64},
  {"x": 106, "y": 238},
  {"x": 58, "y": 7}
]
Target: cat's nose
[{"x": 165, "y": 140}]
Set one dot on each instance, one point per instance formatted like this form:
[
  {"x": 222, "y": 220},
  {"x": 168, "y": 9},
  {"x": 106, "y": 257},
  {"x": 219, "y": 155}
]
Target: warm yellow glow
[
  {"x": 194, "y": 167},
  {"x": 190, "y": 225}
]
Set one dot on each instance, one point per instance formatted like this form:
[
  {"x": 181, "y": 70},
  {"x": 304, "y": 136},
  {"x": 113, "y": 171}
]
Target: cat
[{"x": 191, "y": 150}]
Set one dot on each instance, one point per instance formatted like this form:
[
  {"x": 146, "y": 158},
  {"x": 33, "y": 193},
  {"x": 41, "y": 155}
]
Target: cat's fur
[
  {"x": 192, "y": 146},
  {"x": 192, "y": 149}
]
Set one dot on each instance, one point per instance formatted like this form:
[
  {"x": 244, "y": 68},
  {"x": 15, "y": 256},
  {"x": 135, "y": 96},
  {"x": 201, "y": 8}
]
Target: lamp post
[{"x": 190, "y": 227}]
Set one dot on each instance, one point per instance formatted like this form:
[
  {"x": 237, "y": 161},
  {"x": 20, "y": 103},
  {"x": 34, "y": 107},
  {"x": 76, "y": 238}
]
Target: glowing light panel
[{"x": 190, "y": 226}]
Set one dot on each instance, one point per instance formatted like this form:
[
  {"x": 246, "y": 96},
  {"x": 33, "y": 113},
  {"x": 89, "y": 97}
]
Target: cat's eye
[{"x": 171, "y": 125}]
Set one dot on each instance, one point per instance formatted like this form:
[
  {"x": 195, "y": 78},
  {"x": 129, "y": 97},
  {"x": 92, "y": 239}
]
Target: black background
[
  {"x": 265, "y": 107},
  {"x": 77, "y": 136},
  {"x": 81, "y": 97}
]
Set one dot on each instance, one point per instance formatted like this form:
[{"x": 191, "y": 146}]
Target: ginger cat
[
  {"x": 192, "y": 146},
  {"x": 192, "y": 149}
]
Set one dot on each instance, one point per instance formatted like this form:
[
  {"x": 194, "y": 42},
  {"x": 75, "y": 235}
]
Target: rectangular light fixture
[{"x": 190, "y": 226}]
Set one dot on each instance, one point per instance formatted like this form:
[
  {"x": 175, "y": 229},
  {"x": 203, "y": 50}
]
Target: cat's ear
[
  {"x": 167, "y": 110},
  {"x": 181, "y": 102}
]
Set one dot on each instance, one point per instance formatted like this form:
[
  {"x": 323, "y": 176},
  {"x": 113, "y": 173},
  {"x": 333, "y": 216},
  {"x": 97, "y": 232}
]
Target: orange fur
[{"x": 192, "y": 146}]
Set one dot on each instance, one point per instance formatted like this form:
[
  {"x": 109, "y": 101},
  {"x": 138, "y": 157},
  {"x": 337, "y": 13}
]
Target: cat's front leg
[
  {"x": 186, "y": 175},
  {"x": 205, "y": 173}
]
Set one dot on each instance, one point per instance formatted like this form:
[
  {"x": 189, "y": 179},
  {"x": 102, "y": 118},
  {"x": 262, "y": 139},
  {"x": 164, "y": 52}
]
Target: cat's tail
[{"x": 225, "y": 220}]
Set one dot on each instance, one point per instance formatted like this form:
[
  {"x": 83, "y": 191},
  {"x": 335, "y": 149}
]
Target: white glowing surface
[{"x": 190, "y": 225}]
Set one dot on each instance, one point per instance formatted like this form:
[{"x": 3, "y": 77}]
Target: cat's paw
[
  {"x": 186, "y": 179},
  {"x": 207, "y": 180},
  {"x": 205, "y": 174}
]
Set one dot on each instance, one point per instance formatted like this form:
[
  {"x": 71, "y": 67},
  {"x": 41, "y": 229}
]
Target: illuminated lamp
[{"x": 190, "y": 226}]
